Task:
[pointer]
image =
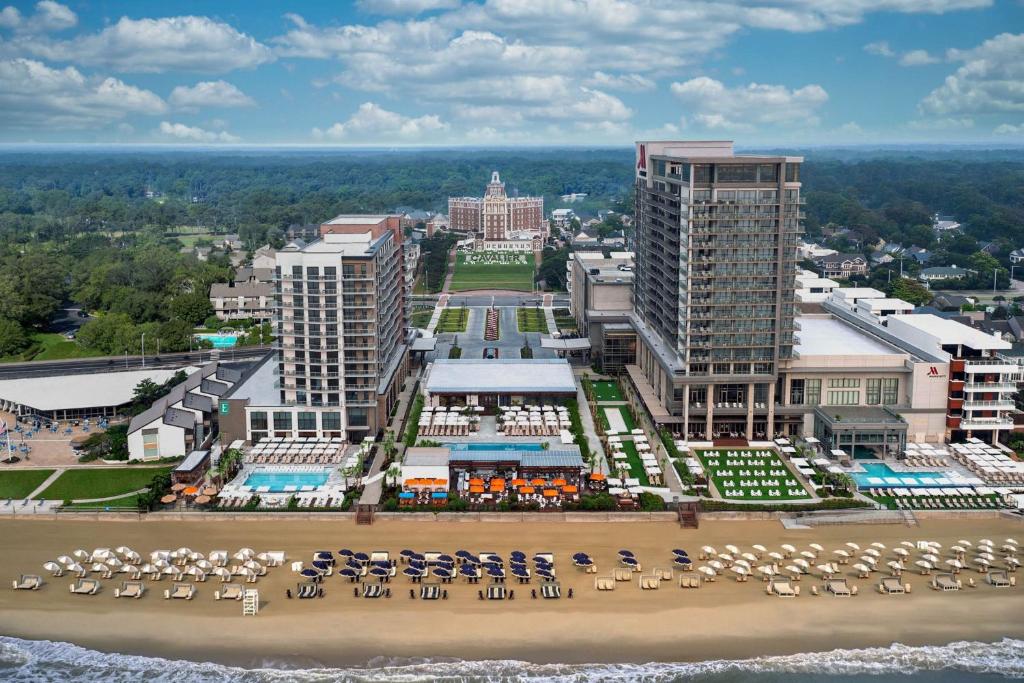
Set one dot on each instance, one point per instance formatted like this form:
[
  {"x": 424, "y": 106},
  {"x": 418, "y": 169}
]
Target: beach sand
[{"x": 722, "y": 620}]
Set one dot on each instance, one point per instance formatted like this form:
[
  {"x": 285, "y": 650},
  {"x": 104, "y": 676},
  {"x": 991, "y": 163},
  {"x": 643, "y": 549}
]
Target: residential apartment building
[
  {"x": 716, "y": 251},
  {"x": 495, "y": 216},
  {"x": 841, "y": 265},
  {"x": 341, "y": 323},
  {"x": 242, "y": 300},
  {"x": 601, "y": 301}
]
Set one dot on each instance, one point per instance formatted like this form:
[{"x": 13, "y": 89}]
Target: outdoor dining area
[
  {"x": 536, "y": 420},
  {"x": 540, "y": 491},
  {"x": 297, "y": 451},
  {"x": 189, "y": 495},
  {"x": 449, "y": 421}
]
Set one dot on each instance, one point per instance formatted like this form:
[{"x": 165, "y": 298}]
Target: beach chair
[
  {"x": 373, "y": 590},
  {"x": 838, "y": 587},
  {"x": 945, "y": 583},
  {"x": 430, "y": 591},
  {"x": 85, "y": 587},
  {"x": 783, "y": 589},
  {"x": 999, "y": 578},
  {"x": 130, "y": 589},
  {"x": 309, "y": 590},
  {"x": 495, "y": 592},
  {"x": 891, "y": 586},
  {"x": 230, "y": 591},
  {"x": 28, "y": 582},
  {"x": 622, "y": 574},
  {"x": 180, "y": 591},
  {"x": 604, "y": 583},
  {"x": 551, "y": 590},
  {"x": 649, "y": 582},
  {"x": 663, "y": 574}
]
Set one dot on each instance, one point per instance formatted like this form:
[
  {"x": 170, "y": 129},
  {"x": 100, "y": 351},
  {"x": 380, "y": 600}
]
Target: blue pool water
[
  {"x": 502, "y": 446},
  {"x": 880, "y": 474},
  {"x": 277, "y": 481},
  {"x": 219, "y": 341}
]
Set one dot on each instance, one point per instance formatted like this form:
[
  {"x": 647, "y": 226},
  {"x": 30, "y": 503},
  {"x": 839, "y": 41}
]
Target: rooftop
[
  {"x": 420, "y": 456},
  {"x": 562, "y": 457},
  {"x": 357, "y": 219},
  {"x": 947, "y": 332},
  {"x": 543, "y": 375},
  {"x": 827, "y": 336},
  {"x": 71, "y": 392},
  {"x": 259, "y": 386}
]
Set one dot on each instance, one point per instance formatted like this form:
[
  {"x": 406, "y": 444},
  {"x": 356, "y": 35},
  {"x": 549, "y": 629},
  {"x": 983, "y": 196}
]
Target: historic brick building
[{"x": 496, "y": 217}]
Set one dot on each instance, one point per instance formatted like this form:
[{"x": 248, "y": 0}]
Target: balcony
[
  {"x": 986, "y": 423},
  {"x": 990, "y": 387},
  {"x": 1004, "y": 404},
  {"x": 992, "y": 365}
]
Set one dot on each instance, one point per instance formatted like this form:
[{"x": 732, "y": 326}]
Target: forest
[{"x": 104, "y": 228}]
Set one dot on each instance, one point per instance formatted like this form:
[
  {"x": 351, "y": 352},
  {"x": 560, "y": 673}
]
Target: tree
[
  {"x": 552, "y": 267},
  {"x": 192, "y": 307},
  {"x": 910, "y": 291},
  {"x": 983, "y": 263},
  {"x": 146, "y": 391},
  {"x": 12, "y": 337}
]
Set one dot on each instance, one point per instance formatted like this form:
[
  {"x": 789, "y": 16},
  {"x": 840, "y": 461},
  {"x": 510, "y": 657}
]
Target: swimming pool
[
  {"x": 280, "y": 482},
  {"x": 219, "y": 341},
  {"x": 881, "y": 475},
  {"x": 501, "y": 446}
]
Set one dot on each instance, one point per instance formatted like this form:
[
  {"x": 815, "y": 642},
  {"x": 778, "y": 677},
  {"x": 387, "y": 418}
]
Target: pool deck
[{"x": 489, "y": 434}]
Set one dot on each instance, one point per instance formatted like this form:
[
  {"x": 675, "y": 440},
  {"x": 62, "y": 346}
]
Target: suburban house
[
  {"x": 841, "y": 265},
  {"x": 242, "y": 300},
  {"x": 945, "y": 273},
  {"x": 944, "y": 223},
  {"x": 1017, "y": 256}
]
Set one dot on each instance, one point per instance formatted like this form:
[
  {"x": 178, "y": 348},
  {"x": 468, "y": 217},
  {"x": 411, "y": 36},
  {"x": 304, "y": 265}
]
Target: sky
[{"x": 512, "y": 72}]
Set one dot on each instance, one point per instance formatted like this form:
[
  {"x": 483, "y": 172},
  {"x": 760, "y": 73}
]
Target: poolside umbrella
[
  {"x": 759, "y": 548},
  {"x": 793, "y": 569},
  {"x": 959, "y": 550},
  {"x": 518, "y": 555},
  {"x": 788, "y": 548},
  {"x": 816, "y": 547},
  {"x": 716, "y": 565},
  {"x": 321, "y": 565},
  {"x": 895, "y": 566},
  {"x": 776, "y": 556},
  {"x": 630, "y": 561},
  {"x": 863, "y": 570},
  {"x": 987, "y": 556},
  {"x": 349, "y": 573},
  {"x": 679, "y": 552},
  {"x": 732, "y": 549},
  {"x": 965, "y": 542},
  {"x": 908, "y": 544},
  {"x": 725, "y": 557},
  {"x": 345, "y": 552},
  {"x": 51, "y": 566},
  {"x": 902, "y": 552},
  {"x": 872, "y": 552},
  {"x": 309, "y": 573},
  {"x": 178, "y": 487},
  {"x": 707, "y": 571},
  {"x": 880, "y": 546}
]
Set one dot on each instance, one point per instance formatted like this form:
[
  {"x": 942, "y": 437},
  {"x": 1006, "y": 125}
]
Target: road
[
  {"x": 510, "y": 341},
  {"x": 561, "y": 299},
  {"x": 79, "y": 366}
]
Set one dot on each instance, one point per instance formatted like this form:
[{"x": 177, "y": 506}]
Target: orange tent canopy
[
  {"x": 476, "y": 489},
  {"x": 498, "y": 485},
  {"x": 597, "y": 476},
  {"x": 550, "y": 493},
  {"x": 537, "y": 482},
  {"x": 527, "y": 489},
  {"x": 558, "y": 482},
  {"x": 519, "y": 482},
  {"x": 191, "y": 490},
  {"x": 569, "y": 489},
  {"x": 440, "y": 482},
  {"x": 476, "y": 482}
]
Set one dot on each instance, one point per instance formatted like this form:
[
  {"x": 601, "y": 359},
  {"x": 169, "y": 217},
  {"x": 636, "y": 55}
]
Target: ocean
[{"x": 960, "y": 662}]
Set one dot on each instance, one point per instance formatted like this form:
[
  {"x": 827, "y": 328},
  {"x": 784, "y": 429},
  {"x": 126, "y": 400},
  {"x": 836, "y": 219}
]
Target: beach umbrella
[
  {"x": 130, "y": 569},
  {"x": 792, "y": 569},
  {"x": 683, "y": 561},
  {"x": 518, "y": 555},
  {"x": 766, "y": 570},
  {"x": 379, "y": 572},
  {"x": 908, "y": 544},
  {"x": 726, "y": 557},
  {"x": 218, "y": 556},
  {"x": 406, "y": 553},
  {"x": 317, "y": 564},
  {"x": 759, "y": 548},
  {"x": 408, "y": 571},
  {"x": 350, "y": 573},
  {"x": 345, "y": 552},
  {"x": 581, "y": 556},
  {"x": 124, "y": 550},
  {"x": 934, "y": 559},
  {"x": 149, "y": 568},
  {"x": 788, "y": 548},
  {"x": 76, "y": 568},
  {"x": 545, "y": 574},
  {"x": 826, "y": 569},
  {"x": 679, "y": 552},
  {"x": 182, "y": 552},
  {"x": 955, "y": 564},
  {"x": 880, "y": 546},
  {"x": 196, "y": 572},
  {"x": 732, "y": 549},
  {"x": 161, "y": 564},
  {"x": 586, "y": 562},
  {"x": 361, "y": 557},
  {"x": 707, "y": 571},
  {"x": 987, "y": 556},
  {"x": 520, "y": 571},
  {"x": 493, "y": 558},
  {"x": 841, "y": 553},
  {"x": 53, "y": 567},
  {"x": 895, "y": 566},
  {"x": 742, "y": 563},
  {"x": 1009, "y": 547},
  {"x": 739, "y": 571},
  {"x": 441, "y": 573},
  {"x": 851, "y": 544},
  {"x": 99, "y": 567},
  {"x": 223, "y": 573},
  {"x": 113, "y": 562},
  {"x": 926, "y": 566},
  {"x": 960, "y": 550},
  {"x": 446, "y": 558},
  {"x": 902, "y": 552},
  {"x": 934, "y": 545},
  {"x": 708, "y": 550},
  {"x": 622, "y": 553},
  {"x": 982, "y": 562},
  {"x": 802, "y": 563},
  {"x": 985, "y": 541},
  {"x": 716, "y": 565},
  {"x": 171, "y": 571},
  {"x": 309, "y": 573},
  {"x": 467, "y": 570},
  {"x": 869, "y": 559},
  {"x": 964, "y": 542},
  {"x": 80, "y": 555},
  {"x": 816, "y": 547},
  {"x": 872, "y": 552},
  {"x": 776, "y": 556},
  {"x": 205, "y": 565},
  {"x": 631, "y": 561},
  {"x": 1012, "y": 562},
  {"x": 863, "y": 570},
  {"x": 749, "y": 557},
  {"x": 808, "y": 554},
  {"x": 1012, "y": 541}
]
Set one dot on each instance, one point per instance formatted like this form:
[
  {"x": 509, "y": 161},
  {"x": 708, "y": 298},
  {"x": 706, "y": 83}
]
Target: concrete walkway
[
  {"x": 435, "y": 318},
  {"x": 373, "y": 478},
  {"x": 49, "y": 480},
  {"x": 117, "y": 497},
  {"x": 451, "y": 271}
]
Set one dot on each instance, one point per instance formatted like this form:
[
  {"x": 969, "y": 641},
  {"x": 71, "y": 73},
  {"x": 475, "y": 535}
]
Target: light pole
[{"x": 143, "y": 349}]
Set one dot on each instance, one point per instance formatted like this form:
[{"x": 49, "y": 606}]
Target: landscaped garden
[
  {"x": 19, "y": 483},
  {"x": 610, "y": 421},
  {"x": 453, "y": 320},
  {"x": 750, "y": 474},
  {"x": 607, "y": 391},
  {"x": 421, "y": 316},
  {"x": 532, "y": 320},
  {"x": 493, "y": 270},
  {"x": 101, "y": 482},
  {"x": 564, "y": 320}
]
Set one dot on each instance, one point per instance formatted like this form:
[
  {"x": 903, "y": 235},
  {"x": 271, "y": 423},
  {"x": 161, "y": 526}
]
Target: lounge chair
[
  {"x": 28, "y": 582},
  {"x": 604, "y": 583},
  {"x": 551, "y": 591},
  {"x": 85, "y": 587},
  {"x": 180, "y": 591},
  {"x": 130, "y": 589},
  {"x": 649, "y": 582},
  {"x": 495, "y": 592},
  {"x": 783, "y": 588},
  {"x": 430, "y": 591},
  {"x": 663, "y": 574},
  {"x": 891, "y": 586},
  {"x": 689, "y": 582},
  {"x": 838, "y": 587},
  {"x": 373, "y": 590},
  {"x": 230, "y": 591},
  {"x": 945, "y": 582},
  {"x": 999, "y": 578},
  {"x": 305, "y": 591},
  {"x": 622, "y": 574}
]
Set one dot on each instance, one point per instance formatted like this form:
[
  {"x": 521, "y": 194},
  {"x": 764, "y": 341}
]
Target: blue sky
[{"x": 509, "y": 72}]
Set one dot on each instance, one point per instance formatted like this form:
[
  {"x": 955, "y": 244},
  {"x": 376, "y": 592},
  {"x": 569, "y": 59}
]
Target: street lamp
[{"x": 143, "y": 349}]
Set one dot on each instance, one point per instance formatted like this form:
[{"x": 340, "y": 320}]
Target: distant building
[
  {"x": 811, "y": 251},
  {"x": 242, "y": 300},
  {"x": 438, "y": 222},
  {"x": 841, "y": 265},
  {"x": 1017, "y": 255},
  {"x": 945, "y": 273},
  {"x": 495, "y": 215},
  {"x": 600, "y": 299},
  {"x": 944, "y": 223},
  {"x": 562, "y": 218},
  {"x": 573, "y": 197},
  {"x": 812, "y": 288}
]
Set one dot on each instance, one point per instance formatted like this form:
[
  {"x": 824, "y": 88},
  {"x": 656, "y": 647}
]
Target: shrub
[
  {"x": 412, "y": 424},
  {"x": 651, "y": 502},
  {"x": 827, "y": 504}
]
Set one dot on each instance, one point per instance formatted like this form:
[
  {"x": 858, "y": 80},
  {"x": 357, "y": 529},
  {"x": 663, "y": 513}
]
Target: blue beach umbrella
[
  {"x": 362, "y": 557},
  {"x": 680, "y": 552},
  {"x": 518, "y": 555},
  {"x": 631, "y": 561},
  {"x": 379, "y": 571},
  {"x": 320, "y": 564},
  {"x": 309, "y": 573},
  {"x": 348, "y": 573},
  {"x": 345, "y": 552},
  {"x": 519, "y": 571},
  {"x": 412, "y": 573},
  {"x": 443, "y": 573},
  {"x": 406, "y": 553},
  {"x": 581, "y": 556},
  {"x": 626, "y": 553},
  {"x": 446, "y": 558},
  {"x": 466, "y": 570},
  {"x": 464, "y": 554},
  {"x": 584, "y": 562},
  {"x": 544, "y": 574}
]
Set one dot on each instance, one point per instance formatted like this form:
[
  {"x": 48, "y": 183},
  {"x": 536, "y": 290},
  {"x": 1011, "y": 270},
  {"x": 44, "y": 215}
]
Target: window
[
  {"x": 358, "y": 417},
  {"x": 812, "y": 392},
  {"x": 843, "y": 398},
  {"x": 792, "y": 173},
  {"x": 768, "y": 173},
  {"x": 151, "y": 443},
  {"x": 736, "y": 173},
  {"x": 873, "y": 395},
  {"x": 843, "y": 383},
  {"x": 307, "y": 421},
  {"x": 796, "y": 392},
  {"x": 258, "y": 420},
  {"x": 331, "y": 421},
  {"x": 282, "y": 420},
  {"x": 890, "y": 391},
  {"x": 702, "y": 173}
]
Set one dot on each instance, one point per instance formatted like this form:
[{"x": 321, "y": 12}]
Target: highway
[{"x": 79, "y": 366}]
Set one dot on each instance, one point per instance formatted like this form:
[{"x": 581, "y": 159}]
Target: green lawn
[
  {"x": 468, "y": 276},
  {"x": 126, "y": 502},
  {"x": 532, "y": 320},
  {"x": 636, "y": 466},
  {"x": 421, "y": 317},
  {"x": 20, "y": 483},
  {"x": 607, "y": 391},
  {"x": 100, "y": 482},
  {"x": 728, "y": 477},
  {"x": 453, "y": 320},
  {"x": 623, "y": 410},
  {"x": 50, "y": 346},
  {"x": 915, "y": 502}
]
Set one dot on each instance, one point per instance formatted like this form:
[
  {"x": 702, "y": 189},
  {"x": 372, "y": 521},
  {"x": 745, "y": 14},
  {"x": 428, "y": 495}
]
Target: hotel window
[
  {"x": 307, "y": 421},
  {"x": 792, "y": 173},
  {"x": 812, "y": 392},
  {"x": 890, "y": 391},
  {"x": 873, "y": 395},
  {"x": 768, "y": 173},
  {"x": 736, "y": 173},
  {"x": 331, "y": 421},
  {"x": 843, "y": 383},
  {"x": 150, "y": 443},
  {"x": 796, "y": 392},
  {"x": 282, "y": 420},
  {"x": 843, "y": 398},
  {"x": 258, "y": 420}
]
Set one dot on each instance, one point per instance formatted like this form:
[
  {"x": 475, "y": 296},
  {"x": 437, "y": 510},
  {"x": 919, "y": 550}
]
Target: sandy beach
[{"x": 723, "y": 620}]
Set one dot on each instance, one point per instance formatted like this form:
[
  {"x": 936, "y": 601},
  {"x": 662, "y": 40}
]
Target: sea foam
[{"x": 25, "y": 660}]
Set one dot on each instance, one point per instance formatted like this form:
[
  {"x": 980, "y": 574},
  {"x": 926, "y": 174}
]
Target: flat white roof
[
  {"x": 829, "y": 336},
  {"x": 357, "y": 219},
  {"x": 73, "y": 392},
  {"x": 951, "y": 332},
  {"x": 540, "y": 375},
  {"x": 885, "y": 304},
  {"x": 858, "y": 293}
]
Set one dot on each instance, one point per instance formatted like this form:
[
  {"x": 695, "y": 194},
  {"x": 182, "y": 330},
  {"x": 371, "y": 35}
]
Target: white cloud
[
  {"x": 991, "y": 80},
  {"x": 627, "y": 82},
  {"x": 209, "y": 94},
  {"x": 881, "y": 48},
  {"x": 917, "y": 58},
  {"x": 34, "y": 95},
  {"x": 946, "y": 123},
  {"x": 180, "y": 131},
  {"x": 190, "y": 43},
  {"x": 716, "y": 106},
  {"x": 48, "y": 16},
  {"x": 406, "y": 6},
  {"x": 372, "y": 123},
  {"x": 1009, "y": 129}
]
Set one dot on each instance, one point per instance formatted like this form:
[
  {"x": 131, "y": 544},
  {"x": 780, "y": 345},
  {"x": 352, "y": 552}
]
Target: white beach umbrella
[
  {"x": 869, "y": 559},
  {"x": 863, "y": 570},
  {"x": 113, "y": 562},
  {"x": 172, "y": 571},
  {"x": 851, "y": 544},
  {"x": 160, "y": 555},
  {"x": 182, "y": 552},
  {"x": 776, "y": 556},
  {"x": 725, "y": 557},
  {"x": 99, "y": 568},
  {"x": 1012, "y": 541},
  {"x": 766, "y": 570},
  {"x": 123, "y": 550},
  {"x": 195, "y": 557},
  {"x": 955, "y": 564},
  {"x": 76, "y": 568},
  {"x": 263, "y": 557},
  {"x": 927, "y": 566},
  {"x": 808, "y": 554},
  {"x": 1012, "y": 561},
  {"x": 149, "y": 568},
  {"x": 742, "y": 563},
  {"x": 749, "y": 557},
  {"x": 880, "y": 546},
  {"x": 248, "y": 552},
  {"x": 826, "y": 570},
  {"x": 739, "y": 571},
  {"x": 908, "y": 544},
  {"x": 708, "y": 550},
  {"x": 66, "y": 560},
  {"x": 873, "y": 552},
  {"x": 223, "y": 573},
  {"x": 162, "y": 564},
  {"x": 985, "y": 541},
  {"x": 788, "y": 548},
  {"x": 205, "y": 565},
  {"x": 802, "y": 563},
  {"x": 716, "y": 565},
  {"x": 902, "y": 552},
  {"x": 816, "y": 547},
  {"x": 960, "y": 550},
  {"x": 732, "y": 549},
  {"x": 934, "y": 559},
  {"x": 80, "y": 555},
  {"x": 707, "y": 571},
  {"x": 1009, "y": 547},
  {"x": 196, "y": 572},
  {"x": 131, "y": 570},
  {"x": 759, "y": 548},
  {"x": 100, "y": 554},
  {"x": 53, "y": 567},
  {"x": 246, "y": 573},
  {"x": 981, "y": 561},
  {"x": 841, "y": 553},
  {"x": 793, "y": 569},
  {"x": 895, "y": 566},
  {"x": 132, "y": 557},
  {"x": 964, "y": 542},
  {"x": 987, "y": 556},
  {"x": 218, "y": 557}
]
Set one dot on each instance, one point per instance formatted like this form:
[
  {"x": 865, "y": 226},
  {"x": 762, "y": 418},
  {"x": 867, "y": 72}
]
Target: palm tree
[{"x": 392, "y": 475}]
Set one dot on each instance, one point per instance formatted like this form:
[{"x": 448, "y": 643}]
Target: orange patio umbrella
[
  {"x": 558, "y": 482},
  {"x": 476, "y": 489},
  {"x": 597, "y": 476},
  {"x": 527, "y": 489},
  {"x": 550, "y": 493},
  {"x": 191, "y": 491},
  {"x": 518, "y": 482},
  {"x": 498, "y": 485},
  {"x": 476, "y": 482},
  {"x": 537, "y": 482},
  {"x": 569, "y": 489}
]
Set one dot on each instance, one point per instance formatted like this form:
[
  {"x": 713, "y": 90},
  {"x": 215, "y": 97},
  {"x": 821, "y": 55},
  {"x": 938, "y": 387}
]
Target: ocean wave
[{"x": 30, "y": 660}]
